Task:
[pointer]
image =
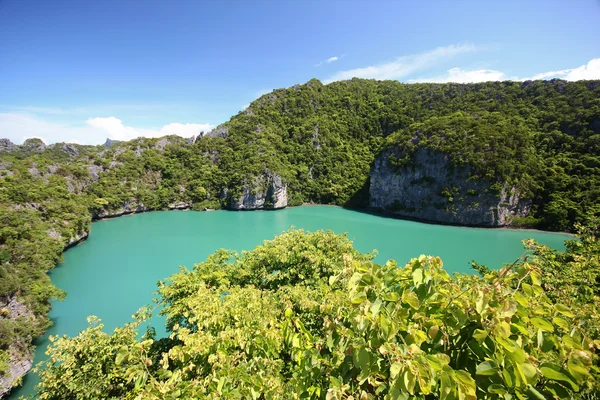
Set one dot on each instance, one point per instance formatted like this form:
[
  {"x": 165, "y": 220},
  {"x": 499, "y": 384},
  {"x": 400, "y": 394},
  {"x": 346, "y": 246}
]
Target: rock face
[
  {"x": 109, "y": 142},
  {"x": 431, "y": 189},
  {"x": 7, "y": 145},
  {"x": 180, "y": 205},
  {"x": 219, "y": 131},
  {"x": 126, "y": 208},
  {"x": 265, "y": 192},
  {"x": 21, "y": 359},
  {"x": 34, "y": 144},
  {"x": 70, "y": 149},
  {"x": 77, "y": 238}
]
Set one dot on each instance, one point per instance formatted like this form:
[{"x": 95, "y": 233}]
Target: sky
[{"x": 82, "y": 71}]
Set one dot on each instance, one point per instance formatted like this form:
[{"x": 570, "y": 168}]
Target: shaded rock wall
[
  {"x": 430, "y": 188},
  {"x": 264, "y": 192}
]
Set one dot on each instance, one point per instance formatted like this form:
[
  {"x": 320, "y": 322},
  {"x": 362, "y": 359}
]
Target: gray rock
[
  {"x": 5, "y": 168},
  {"x": 77, "y": 238},
  {"x": 110, "y": 142},
  {"x": 70, "y": 149},
  {"x": 431, "y": 189},
  {"x": 161, "y": 144},
  {"x": 192, "y": 140},
  {"x": 7, "y": 145},
  {"x": 34, "y": 144},
  {"x": 21, "y": 359},
  {"x": 266, "y": 192},
  {"x": 18, "y": 366},
  {"x": 33, "y": 171},
  {"x": 54, "y": 234},
  {"x": 95, "y": 171},
  {"x": 219, "y": 131},
  {"x": 180, "y": 205},
  {"x": 128, "y": 207},
  {"x": 315, "y": 138}
]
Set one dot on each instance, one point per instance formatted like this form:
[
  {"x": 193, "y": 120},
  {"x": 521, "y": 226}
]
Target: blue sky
[{"x": 73, "y": 70}]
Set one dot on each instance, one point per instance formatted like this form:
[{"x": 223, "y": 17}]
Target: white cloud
[
  {"x": 329, "y": 60},
  {"x": 18, "y": 127},
  {"x": 591, "y": 70},
  {"x": 184, "y": 130},
  {"x": 459, "y": 75},
  {"x": 404, "y": 66},
  {"x": 550, "y": 74}
]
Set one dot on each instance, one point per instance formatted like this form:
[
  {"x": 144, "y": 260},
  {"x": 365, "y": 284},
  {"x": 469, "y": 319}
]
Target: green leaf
[
  {"x": 496, "y": 388},
  {"x": 417, "y": 276},
  {"x": 333, "y": 279},
  {"x": 411, "y": 299},
  {"x": 542, "y": 324},
  {"x": 359, "y": 298},
  {"x": 121, "y": 355},
  {"x": 556, "y": 373},
  {"x": 564, "y": 310},
  {"x": 395, "y": 369},
  {"x": 480, "y": 335},
  {"x": 487, "y": 368},
  {"x": 390, "y": 296},
  {"x": 561, "y": 322},
  {"x": 535, "y": 394},
  {"x": 409, "y": 381},
  {"x": 577, "y": 370}
]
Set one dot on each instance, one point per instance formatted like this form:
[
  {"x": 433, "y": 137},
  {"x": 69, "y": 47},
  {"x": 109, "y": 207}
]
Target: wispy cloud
[
  {"x": 330, "y": 60},
  {"x": 405, "y": 65},
  {"x": 20, "y": 126},
  {"x": 591, "y": 70},
  {"x": 459, "y": 75}
]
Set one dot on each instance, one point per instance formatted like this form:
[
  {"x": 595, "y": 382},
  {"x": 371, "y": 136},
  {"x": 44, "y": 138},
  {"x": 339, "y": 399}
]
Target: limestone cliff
[
  {"x": 126, "y": 208},
  {"x": 430, "y": 188},
  {"x": 263, "y": 192},
  {"x": 21, "y": 358}
]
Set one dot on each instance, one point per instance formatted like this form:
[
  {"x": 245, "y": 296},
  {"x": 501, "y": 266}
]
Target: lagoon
[{"x": 115, "y": 272}]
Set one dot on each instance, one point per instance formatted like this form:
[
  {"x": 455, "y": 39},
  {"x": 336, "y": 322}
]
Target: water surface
[{"x": 115, "y": 271}]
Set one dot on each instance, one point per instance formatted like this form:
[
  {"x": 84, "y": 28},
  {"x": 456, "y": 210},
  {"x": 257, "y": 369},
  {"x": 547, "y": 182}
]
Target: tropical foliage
[{"x": 307, "y": 316}]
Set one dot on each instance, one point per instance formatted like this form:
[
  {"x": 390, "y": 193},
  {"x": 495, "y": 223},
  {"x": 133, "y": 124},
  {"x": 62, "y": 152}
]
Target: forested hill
[{"x": 537, "y": 142}]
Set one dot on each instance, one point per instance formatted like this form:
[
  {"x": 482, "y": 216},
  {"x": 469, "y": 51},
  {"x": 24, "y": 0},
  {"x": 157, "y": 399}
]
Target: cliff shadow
[{"x": 360, "y": 198}]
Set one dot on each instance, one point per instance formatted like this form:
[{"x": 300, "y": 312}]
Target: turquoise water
[{"x": 115, "y": 271}]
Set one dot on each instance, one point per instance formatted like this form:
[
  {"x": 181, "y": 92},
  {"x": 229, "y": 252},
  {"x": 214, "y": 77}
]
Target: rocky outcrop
[
  {"x": 126, "y": 208},
  {"x": 110, "y": 142},
  {"x": 161, "y": 144},
  {"x": 265, "y": 192},
  {"x": 34, "y": 144},
  {"x": 219, "y": 131},
  {"x": 20, "y": 363},
  {"x": 21, "y": 359},
  {"x": 180, "y": 205},
  {"x": 7, "y": 145},
  {"x": 77, "y": 238},
  {"x": 70, "y": 149},
  {"x": 430, "y": 188}
]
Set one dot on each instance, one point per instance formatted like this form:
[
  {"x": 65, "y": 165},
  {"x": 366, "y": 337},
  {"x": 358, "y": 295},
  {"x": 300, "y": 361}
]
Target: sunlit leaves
[{"x": 372, "y": 331}]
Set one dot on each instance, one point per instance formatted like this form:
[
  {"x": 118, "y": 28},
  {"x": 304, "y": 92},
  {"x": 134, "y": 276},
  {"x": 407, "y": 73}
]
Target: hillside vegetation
[{"x": 543, "y": 136}]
